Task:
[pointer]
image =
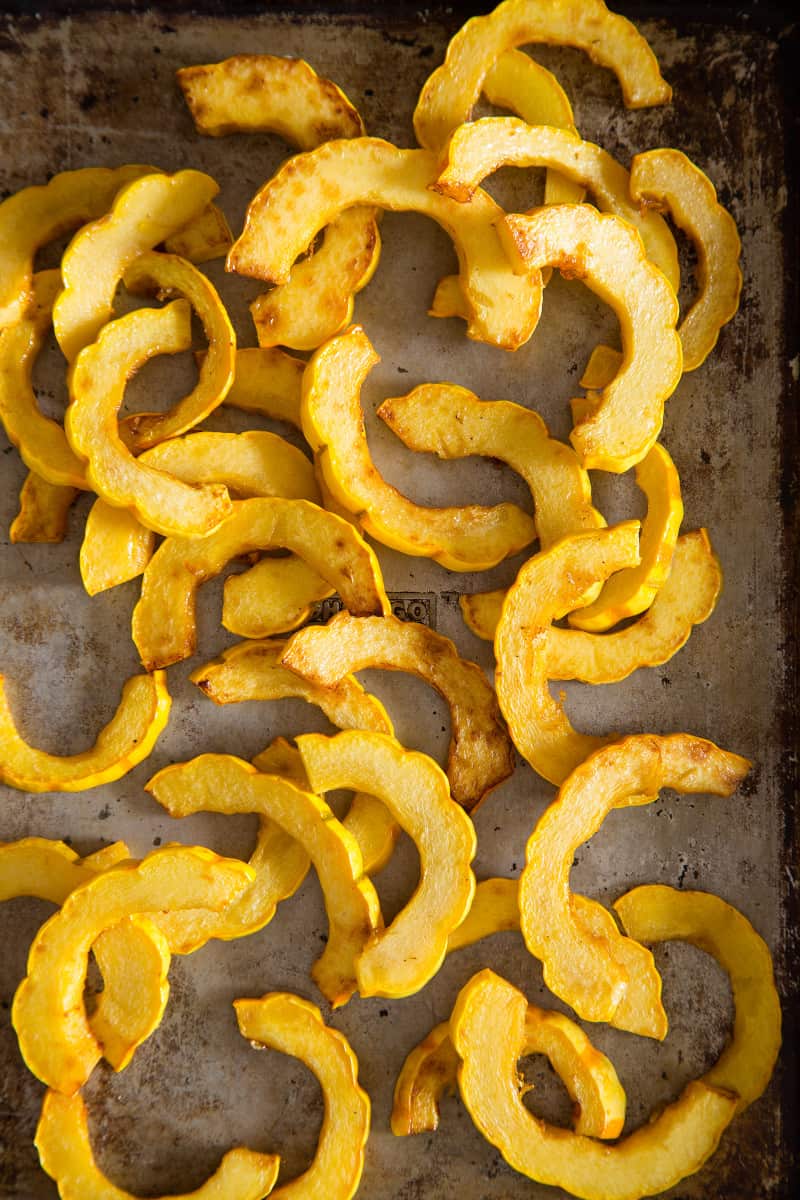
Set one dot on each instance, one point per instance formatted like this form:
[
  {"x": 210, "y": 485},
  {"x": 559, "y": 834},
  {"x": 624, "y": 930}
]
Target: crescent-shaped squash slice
[
  {"x": 222, "y": 783},
  {"x": 274, "y": 596},
  {"x": 669, "y": 180},
  {"x": 43, "y": 511},
  {"x": 166, "y": 275},
  {"x": 579, "y": 966},
  {"x": 401, "y": 959},
  {"x": 50, "y": 870},
  {"x": 144, "y": 214},
  {"x": 35, "y": 216},
  {"x": 480, "y": 148},
  {"x": 658, "y": 914},
  {"x": 126, "y": 740},
  {"x": 609, "y": 39},
  {"x": 311, "y": 189},
  {"x": 488, "y": 1028},
  {"x": 97, "y": 388},
  {"x": 607, "y": 254},
  {"x": 164, "y": 618},
  {"x": 65, "y": 1152},
  {"x": 293, "y": 1026},
  {"x": 48, "y": 1013},
  {"x": 632, "y": 590},
  {"x": 530, "y": 651},
  {"x": 589, "y": 1077},
  {"x": 480, "y": 755},
  {"x": 261, "y": 93},
  {"x": 204, "y": 238},
  {"x": 269, "y": 382},
  {"x": 116, "y": 547},
  {"x": 465, "y": 538}
]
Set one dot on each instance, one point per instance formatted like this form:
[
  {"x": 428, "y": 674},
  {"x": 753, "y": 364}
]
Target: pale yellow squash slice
[
  {"x": 273, "y": 597},
  {"x": 588, "y": 1076},
  {"x": 97, "y": 386},
  {"x": 464, "y": 538},
  {"x": 480, "y": 755},
  {"x": 632, "y": 590},
  {"x": 48, "y": 1014},
  {"x": 50, "y": 870},
  {"x": 65, "y": 1152},
  {"x": 253, "y": 671},
  {"x": 126, "y": 740},
  {"x": 609, "y": 39},
  {"x": 580, "y": 966},
  {"x": 293, "y": 1026},
  {"x": 144, "y": 214},
  {"x": 669, "y": 180},
  {"x": 608, "y": 255},
  {"x": 402, "y": 958},
  {"x": 166, "y": 275},
  {"x": 261, "y": 93},
  {"x": 204, "y": 238},
  {"x": 313, "y": 188},
  {"x": 488, "y": 1028},
  {"x": 35, "y": 216},
  {"x": 116, "y": 547},
  {"x": 480, "y": 148},
  {"x": 530, "y": 651},
  {"x": 43, "y": 511},
  {"x": 267, "y": 381},
  {"x": 222, "y": 783},
  {"x": 164, "y": 619}
]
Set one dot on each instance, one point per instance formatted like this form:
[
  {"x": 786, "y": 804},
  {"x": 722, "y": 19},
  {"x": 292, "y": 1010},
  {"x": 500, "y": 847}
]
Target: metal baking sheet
[{"x": 80, "y": 87}]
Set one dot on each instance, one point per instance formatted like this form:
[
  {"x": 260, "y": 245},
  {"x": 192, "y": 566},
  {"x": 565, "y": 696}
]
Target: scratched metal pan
[{"x": 90, "y": 84}]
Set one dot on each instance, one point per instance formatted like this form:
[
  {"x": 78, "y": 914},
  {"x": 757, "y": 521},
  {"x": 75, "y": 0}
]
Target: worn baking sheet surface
[{"x": 99, "y": 88}]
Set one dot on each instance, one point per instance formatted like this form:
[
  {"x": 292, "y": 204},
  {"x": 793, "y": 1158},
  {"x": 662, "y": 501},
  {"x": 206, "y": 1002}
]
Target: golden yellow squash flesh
[
  {"x": 488, "y": 1028},
  {"x": 580, "y": 966},
  {"x": 293, "y": 1026},
  {"x": 48, "y": 1013},
  {"x": 467, "y": 538},
  {"x": 43, "y": 511},
  {"x": 609, "y": 39},
  {"x": 164, "y": 619},
  {"x": 313, "y": 188},
  {"x": 402, "y": 958},
  {"x": 222, "y": 783},
  {"x": 143, "y": 215},
  {"x": 267, "y": 381},
  {"x": 607, "y": 254},
  {"x": 126, "y": 740},
  {"x": 480, "y": 755}
]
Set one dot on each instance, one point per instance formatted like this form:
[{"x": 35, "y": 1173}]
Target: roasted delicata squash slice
[
  {"x": 204, "y": 238},
  {"x": 609, "y": 39},
  {"x": 293, "y": 1026},
  {"x": 65, "y": 1152},
  {"x": 607, "y": 254},
  {"x": 658, "y": 914},
  {"x": 164, "y": 619},
  {"x": 632, "y": 590},
  {"x": 222, "y": 783},
  {"x": 480, "y": 755},
  {"x": 253, "y": 671},
  {"x": 313, "y": 188},
  {"x": 488, "y": 1028},
  {"x": 35, "y": 216},
  {"x": 273, "y": 597},
  {"x": 480, "y": 148},
  {"x": 580, "y": 967},
  {"x": 48, "y": 1014},
  {"x": 669, "y": 180},
  {"x": 128, "y": 738},
  {"x": 268, "y": 382},
  {"x": 589, "y": 1077},
  {"x": 402, "y": 958},
  {"x": 41, "y": 441},
  {"x": 97, "y": 385},
  {"x": 166, "y": 275},
  {"x": 43, "y": 511},
  {"x": 50, "y": 870},
  {"x": 144, "y": 214},
  {"x": 117, "y": 547},
  {"x": 465, "y": 538},
  {"x": 530, "y": 651},
  {"x": 261, "y": 93}
]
